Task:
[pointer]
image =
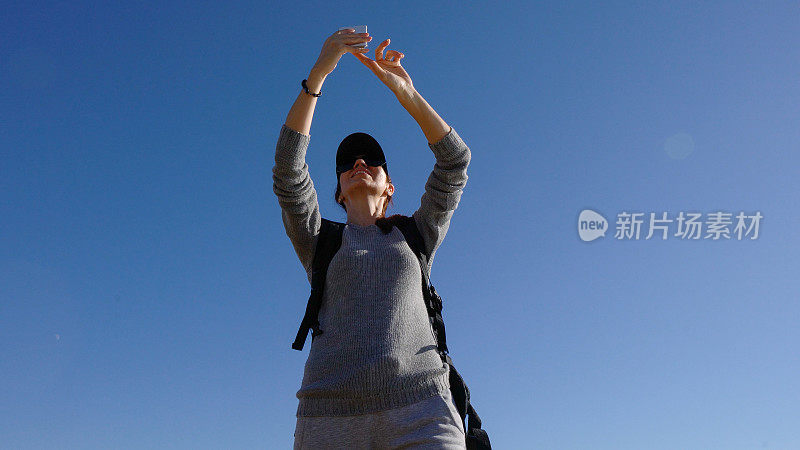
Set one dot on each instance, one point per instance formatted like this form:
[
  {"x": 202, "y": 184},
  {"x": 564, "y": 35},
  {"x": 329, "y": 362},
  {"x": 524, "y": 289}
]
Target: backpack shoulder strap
[
  {"x": 408, "y": 226},
  {"x": 476, "y": 437},
  {"x": 433, "y": 302},
  {"x": 328, "y": 243}
]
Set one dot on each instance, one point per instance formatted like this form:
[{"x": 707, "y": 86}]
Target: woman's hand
[
  {"x": 337, "y": 45},
  {"x": 388, "y": 69}
]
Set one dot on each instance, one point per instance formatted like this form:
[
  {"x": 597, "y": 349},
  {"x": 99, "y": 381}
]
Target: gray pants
[{"x": 433, "y": 423}]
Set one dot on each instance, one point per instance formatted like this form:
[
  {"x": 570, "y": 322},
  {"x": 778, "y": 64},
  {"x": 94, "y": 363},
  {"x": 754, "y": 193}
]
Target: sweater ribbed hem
[{"x": 380, "y": 402}]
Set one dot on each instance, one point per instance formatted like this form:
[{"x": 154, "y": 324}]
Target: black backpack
[{"x": 328, "y": 243}]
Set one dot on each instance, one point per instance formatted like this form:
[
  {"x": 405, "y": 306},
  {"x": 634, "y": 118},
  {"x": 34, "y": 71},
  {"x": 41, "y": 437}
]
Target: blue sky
[{"x": 149, "y": 294}]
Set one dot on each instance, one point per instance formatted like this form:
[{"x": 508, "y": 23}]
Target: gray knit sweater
[{"x": 377, "y": 351}]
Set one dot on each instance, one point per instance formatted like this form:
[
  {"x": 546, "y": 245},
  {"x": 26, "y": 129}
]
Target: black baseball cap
[{"x": 359, "y": 145}]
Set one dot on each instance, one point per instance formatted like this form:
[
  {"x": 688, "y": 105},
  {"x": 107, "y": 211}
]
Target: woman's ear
[{"x": 390, "y": 189}]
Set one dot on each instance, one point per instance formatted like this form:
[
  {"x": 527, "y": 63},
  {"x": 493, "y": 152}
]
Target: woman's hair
[{"x": 385, "y": 204}]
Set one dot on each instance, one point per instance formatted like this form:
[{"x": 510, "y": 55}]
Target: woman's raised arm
[
  {"x": 291, "y": 181},
  {"x": 449, "y": 176},
  {"x": 336, "y": 45},
  {"x": 389, "y": 70}
]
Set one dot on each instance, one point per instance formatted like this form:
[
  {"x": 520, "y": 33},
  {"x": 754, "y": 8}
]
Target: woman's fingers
[
  {"x": 356, "y": 50},
  {"x": 391, "y": 55},
  {"x": 394, "y": 56},
  {"x": 379, "y": 50},
  {"x": 354, "y": 39},
  {"x": 353, "y": 35},
  {"x": 371, "y": 65}
]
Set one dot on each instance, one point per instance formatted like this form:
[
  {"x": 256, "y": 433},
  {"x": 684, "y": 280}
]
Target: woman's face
[{"x": 364, "y": 180}]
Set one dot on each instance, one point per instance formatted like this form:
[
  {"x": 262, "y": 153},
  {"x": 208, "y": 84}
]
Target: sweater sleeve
[
  {"x": 442, "y": 190},
  {"x": 296, "y": 194}
]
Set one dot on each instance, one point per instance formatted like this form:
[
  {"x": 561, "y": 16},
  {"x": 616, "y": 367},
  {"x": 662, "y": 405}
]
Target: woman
[{"x": 373, "y": 379}]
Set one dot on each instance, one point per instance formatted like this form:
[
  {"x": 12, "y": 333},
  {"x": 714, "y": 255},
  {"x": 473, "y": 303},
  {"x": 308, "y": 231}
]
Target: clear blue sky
[{"x": 149, "y": 294}]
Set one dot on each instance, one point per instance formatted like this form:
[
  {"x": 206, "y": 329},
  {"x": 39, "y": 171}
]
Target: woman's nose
[{"x": 363, "y": 163}]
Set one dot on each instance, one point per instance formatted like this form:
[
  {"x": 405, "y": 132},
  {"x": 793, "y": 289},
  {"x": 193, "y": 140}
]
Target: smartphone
[{"x": 359, "y": 29}]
